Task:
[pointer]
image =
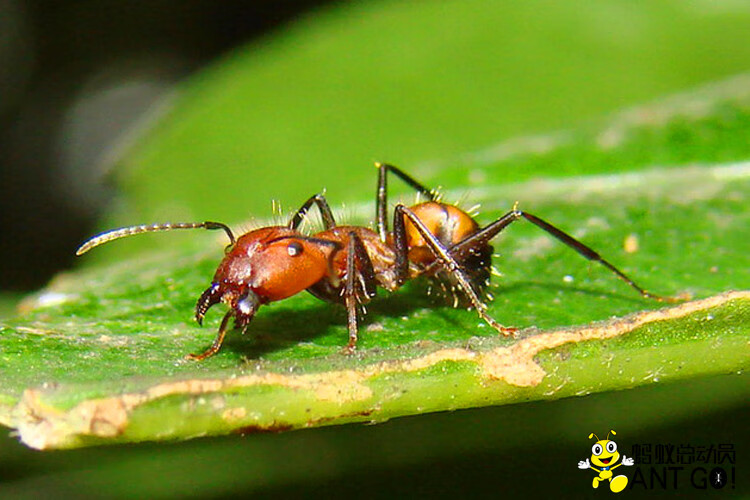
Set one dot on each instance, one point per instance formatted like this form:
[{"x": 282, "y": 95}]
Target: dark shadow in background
[
  {"x": 75, "y": 76},
  {"x": 550, "y": 470},
  {"x": 522, "y": 450}
]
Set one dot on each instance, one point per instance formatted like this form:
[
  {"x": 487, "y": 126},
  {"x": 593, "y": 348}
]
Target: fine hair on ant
[{"x": 345, "y": 264}]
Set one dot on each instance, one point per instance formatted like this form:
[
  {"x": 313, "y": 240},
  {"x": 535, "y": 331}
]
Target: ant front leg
[
  {"x": 382, "y": 194},
  {"x": 359, "y": 286},
  {"x": 444, "y": 256},
  {"x": 484, "y": 235},
  {"x": 325, "y": 212},
  {"x": 218, "y": 341}
]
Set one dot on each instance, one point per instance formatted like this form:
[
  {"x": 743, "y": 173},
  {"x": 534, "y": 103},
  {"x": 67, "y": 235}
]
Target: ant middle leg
[
  {"x": 444, "y": 255},
  {"x": 218, "y": 341},
  {"x": 484, "y": 235},
  {"x": 359, "y": 286}
]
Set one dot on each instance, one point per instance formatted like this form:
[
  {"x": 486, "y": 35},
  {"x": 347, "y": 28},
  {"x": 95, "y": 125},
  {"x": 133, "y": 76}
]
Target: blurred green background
[{"x": 264, "y": 103}]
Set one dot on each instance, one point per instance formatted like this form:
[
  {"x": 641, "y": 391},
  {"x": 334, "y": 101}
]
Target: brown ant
[{"x": 345, "y": 264}]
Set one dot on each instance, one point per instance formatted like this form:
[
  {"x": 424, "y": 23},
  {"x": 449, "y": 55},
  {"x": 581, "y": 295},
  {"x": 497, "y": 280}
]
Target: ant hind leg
[
  {"x": 444, "y": 255},
  {"x": 487, "y": 233},
  {"x": 382, "y": 194}
]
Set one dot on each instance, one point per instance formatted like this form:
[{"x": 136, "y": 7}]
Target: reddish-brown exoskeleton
[
  {"x": 261, "y": 266},
  {"x": 346, "y": 264}
]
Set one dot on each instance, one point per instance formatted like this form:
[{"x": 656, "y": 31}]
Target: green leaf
[{"x": 98, "y": 356}]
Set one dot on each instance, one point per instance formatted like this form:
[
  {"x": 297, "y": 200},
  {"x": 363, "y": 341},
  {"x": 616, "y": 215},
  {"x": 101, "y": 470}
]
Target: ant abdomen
[
  {"x": 450, "y": 225},
  {"x": 477, "y": 266}
]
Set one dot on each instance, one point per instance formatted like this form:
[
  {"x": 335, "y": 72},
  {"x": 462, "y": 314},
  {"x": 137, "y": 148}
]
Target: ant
[{"x": 346, "y": 264}]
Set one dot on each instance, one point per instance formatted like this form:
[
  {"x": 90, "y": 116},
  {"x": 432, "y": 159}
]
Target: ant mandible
[{"x": 346, "y": 264}]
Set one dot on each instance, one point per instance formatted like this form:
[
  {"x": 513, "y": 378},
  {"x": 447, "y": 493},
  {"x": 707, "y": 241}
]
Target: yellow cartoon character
[{"x": 604, "y": 455}]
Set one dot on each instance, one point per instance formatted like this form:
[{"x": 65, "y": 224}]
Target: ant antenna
[
  {"x": 151, "y": 228},
  {"x": 594, "y": 435}
]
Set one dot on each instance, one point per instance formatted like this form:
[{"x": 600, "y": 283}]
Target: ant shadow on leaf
[
  {"x": 280, "y": 329},
  {"x": 554, "y": 289}
]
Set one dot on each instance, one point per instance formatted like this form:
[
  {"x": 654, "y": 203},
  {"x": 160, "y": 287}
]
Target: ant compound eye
[
  {"x": 611, "y": 447},
  {"x": 597, "y": 449},
  {"x": 294, "y": 249}
]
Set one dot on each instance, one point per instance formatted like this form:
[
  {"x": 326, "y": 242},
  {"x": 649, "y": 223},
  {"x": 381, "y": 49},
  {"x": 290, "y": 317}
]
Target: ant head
[
  {"x": 268, "y": 264},
  {"x": 265, "y": 265}
]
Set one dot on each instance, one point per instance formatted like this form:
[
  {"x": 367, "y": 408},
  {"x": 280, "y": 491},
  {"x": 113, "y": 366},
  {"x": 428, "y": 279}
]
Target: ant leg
[
  {"x": 382, "y": 194},
  {"x": 360, "y": 278},
  {"x": 381, "y": 203},
  {"x": 443, "y": 254},
  {"x": 484, "y": 235},
  {"x": 402, "y": 249},
  {"x": 325, "y": 212},
  {"x": 328, "y": 221},
  {"x": 217, "y": 341}
]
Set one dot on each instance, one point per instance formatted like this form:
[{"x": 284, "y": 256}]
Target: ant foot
[
  {"x": 670, "y": 300},
  {"x": 684, "y": 296},
  {"x": 508, "y": 331},
  {"x": 200, "y": 357}
]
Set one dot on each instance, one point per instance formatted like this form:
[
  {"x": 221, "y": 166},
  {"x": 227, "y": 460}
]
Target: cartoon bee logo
[{"x": 604, "y": 456}]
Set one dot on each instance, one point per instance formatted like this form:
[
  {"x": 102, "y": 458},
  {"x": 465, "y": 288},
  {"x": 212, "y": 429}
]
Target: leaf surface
[{"x": 98, "y": 357}]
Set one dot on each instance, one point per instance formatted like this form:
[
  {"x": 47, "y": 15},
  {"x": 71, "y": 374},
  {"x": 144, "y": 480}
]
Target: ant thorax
[{"x": 380, "y": 255}]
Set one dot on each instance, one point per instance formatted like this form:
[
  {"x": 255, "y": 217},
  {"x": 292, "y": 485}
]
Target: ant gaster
[{"x": 345, "y": 264}]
